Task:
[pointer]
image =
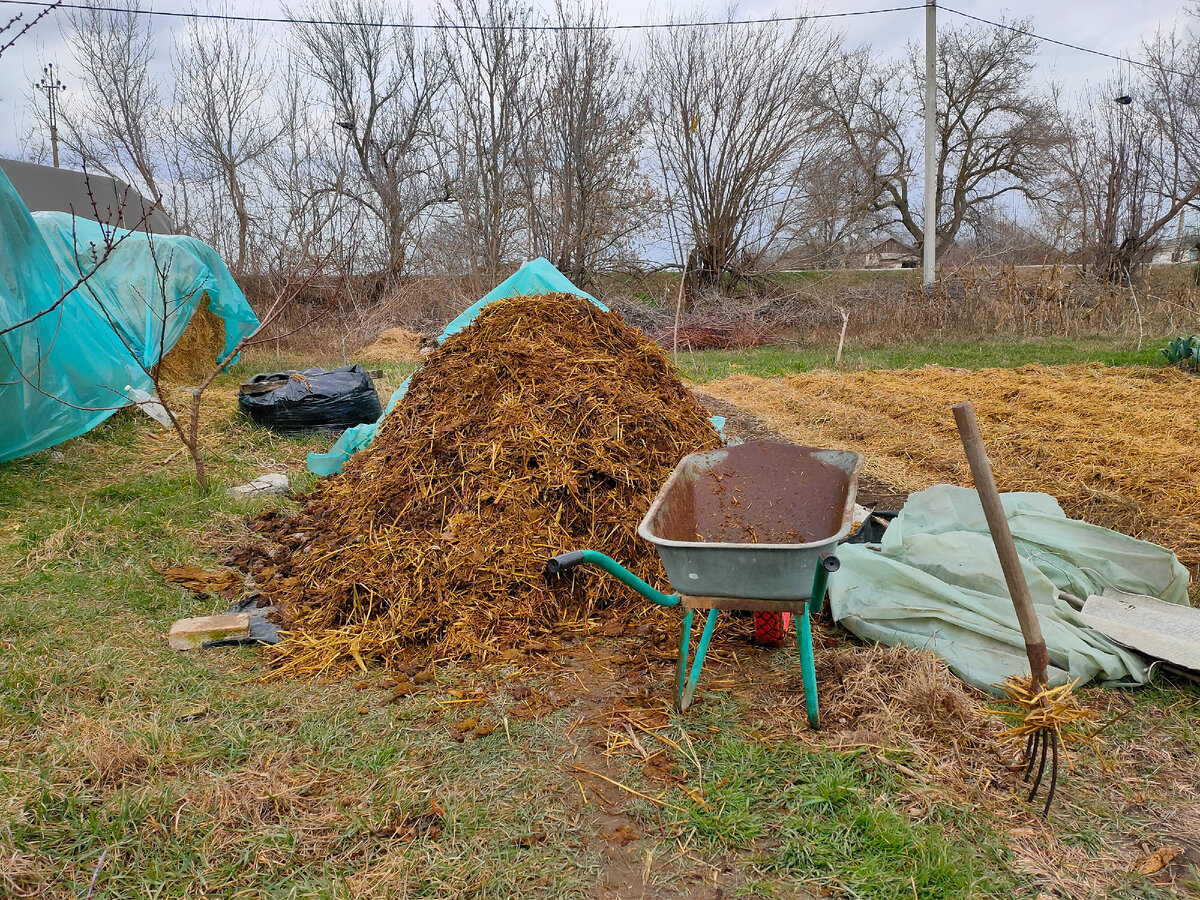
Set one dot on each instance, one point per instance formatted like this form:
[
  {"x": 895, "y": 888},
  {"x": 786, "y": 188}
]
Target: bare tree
[
  {"x": 1108, "y": 187},
  {"x": 305, "y": 173},
  {"x": 837, "y": 218},
  {"x": 116, "y": 122},
  {"x": 1132, "y": 165},
  {"x": 15, "y": 29},
  {"x": 381, "y": 84},
  {"x": 491, "y": 59},
  {"x": 732, "y": 122},
  {"x": 225, "y": 122},
  {"x": 585, "y": 192},
  {"x": 994, "y": 130}
]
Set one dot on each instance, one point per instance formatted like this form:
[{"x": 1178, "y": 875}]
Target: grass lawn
[
  {"x": 768, "y": 362},
  {"x": 163, "y": 774}
]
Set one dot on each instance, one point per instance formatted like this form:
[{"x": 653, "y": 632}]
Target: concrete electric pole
[
  {"x": 930, "y": 241},
  {"x": 51, "y": 86}
]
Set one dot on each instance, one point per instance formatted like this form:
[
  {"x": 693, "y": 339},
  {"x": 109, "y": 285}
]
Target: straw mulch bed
[
  {"x": 545, "y": 426},
  {"x": 1118, "y": 447},
  {"x": 395, "y": 345}
]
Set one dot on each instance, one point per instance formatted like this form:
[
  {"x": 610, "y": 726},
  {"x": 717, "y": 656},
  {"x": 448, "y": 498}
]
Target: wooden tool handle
[{"x": 985, "y": 486}]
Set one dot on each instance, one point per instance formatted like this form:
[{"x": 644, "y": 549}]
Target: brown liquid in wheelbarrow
[{"x": 759, "y": 494}]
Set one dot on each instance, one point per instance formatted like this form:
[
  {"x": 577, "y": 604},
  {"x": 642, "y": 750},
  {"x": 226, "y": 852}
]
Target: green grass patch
[
  {"x": 771, "y": 362},
  {"x": 836, "y": 821}
]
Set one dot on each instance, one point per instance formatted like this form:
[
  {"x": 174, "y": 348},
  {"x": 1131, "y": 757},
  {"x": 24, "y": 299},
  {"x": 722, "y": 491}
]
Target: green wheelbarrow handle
[{"x": 556, "y": 565}]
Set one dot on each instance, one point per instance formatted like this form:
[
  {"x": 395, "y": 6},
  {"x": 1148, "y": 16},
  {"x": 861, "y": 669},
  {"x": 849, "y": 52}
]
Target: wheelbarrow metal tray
[{"x": 752, "y": 520}]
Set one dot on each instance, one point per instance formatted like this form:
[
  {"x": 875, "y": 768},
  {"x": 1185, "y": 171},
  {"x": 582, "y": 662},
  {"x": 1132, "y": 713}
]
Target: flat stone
[
  {"x": 264, "y": 485},
  {"x": 190, "y": 634}
]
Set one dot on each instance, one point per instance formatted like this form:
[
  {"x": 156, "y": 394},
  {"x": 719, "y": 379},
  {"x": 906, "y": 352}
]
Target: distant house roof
[
  {"x": 891, "y": 245},
  {"x": 47, "y": 189}
]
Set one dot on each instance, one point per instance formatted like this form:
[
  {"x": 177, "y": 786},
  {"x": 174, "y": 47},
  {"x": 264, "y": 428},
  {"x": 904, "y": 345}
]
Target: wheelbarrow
[{"x": 749, "y": 527}]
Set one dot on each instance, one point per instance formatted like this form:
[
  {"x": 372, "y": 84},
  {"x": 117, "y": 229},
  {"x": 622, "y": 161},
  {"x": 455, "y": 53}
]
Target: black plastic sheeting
[{"x": 313, "y": 400}]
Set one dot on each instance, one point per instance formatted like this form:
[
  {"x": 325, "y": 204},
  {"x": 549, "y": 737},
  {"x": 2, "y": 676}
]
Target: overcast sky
[{"x": 1114, "y": 26}]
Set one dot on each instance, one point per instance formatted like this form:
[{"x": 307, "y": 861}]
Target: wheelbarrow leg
[
  {"x": 808, "y": 668},
  {"x": 685, "y": 640},
  {"x": 687, "y": 689}
]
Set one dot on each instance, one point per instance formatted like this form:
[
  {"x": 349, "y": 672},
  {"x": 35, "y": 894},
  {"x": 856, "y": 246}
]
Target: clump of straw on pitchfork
[{"x": 1047, "y": 713}]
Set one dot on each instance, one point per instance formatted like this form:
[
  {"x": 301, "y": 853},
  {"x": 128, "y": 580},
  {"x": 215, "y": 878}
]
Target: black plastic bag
[{"x": 312, "y": 400}]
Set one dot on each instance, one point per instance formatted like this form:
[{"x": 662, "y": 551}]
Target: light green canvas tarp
[
  {"x": 935, "y": 583},
  {"x": 65, "y": 371}
]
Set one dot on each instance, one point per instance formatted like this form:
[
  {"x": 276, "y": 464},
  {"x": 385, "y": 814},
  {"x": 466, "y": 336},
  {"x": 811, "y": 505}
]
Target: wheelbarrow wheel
[{"x": 771, "y": 628}]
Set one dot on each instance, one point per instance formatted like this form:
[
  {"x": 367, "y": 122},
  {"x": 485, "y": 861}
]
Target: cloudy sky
[{"x": 1114, "y": 26}]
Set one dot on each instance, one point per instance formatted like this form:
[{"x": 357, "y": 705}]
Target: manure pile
[{"x": 545, "y": 426}]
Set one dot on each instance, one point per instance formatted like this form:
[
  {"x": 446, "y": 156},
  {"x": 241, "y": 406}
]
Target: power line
[
  {"x": 47, "y": 6},
  {"x": 1046, "y": 40},
  {"x": 281, "y": 20}
]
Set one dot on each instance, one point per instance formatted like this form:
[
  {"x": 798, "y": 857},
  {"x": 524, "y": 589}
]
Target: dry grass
[
  {"x": 1116, "y": 446},
  {"x": 394, "y": 345},
  {"x": 883, "y": 307},
  {"x": 905, "y": 701}
]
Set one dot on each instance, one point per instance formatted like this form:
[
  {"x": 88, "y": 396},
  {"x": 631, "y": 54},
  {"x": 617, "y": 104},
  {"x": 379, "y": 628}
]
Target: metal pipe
[
  {"x": 808, "y": 667},
  {"x": 561, "y": 563},
  {"x": 689, "y": 690},
  {"x": 685, "y": 641},
  {"x": 825, "y": 565}
]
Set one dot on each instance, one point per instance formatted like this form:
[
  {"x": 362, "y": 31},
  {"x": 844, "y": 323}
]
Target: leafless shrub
[{"x": 982, "y": 303}]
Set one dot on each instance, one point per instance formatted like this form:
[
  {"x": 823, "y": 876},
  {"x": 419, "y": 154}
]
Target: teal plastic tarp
[
  {"x": 65, "y": 372},
  {"x": 534, "y": 278},
  {"x": 935, "y": 583}
]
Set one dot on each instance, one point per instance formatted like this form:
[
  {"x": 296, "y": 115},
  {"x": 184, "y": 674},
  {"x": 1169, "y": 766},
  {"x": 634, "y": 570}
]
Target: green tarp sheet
[
  {"x": 65, "y": 372},
  {"x": 935, "y": 583}
]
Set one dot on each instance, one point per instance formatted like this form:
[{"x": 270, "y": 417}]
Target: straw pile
[
  {"x": 896, "y": 698},
  {"x": 545, "y": 426},
  {"x": 1116, "y": 446},
  {"x": 395, "y": 345},
  {"x": 195, "y": 353}
]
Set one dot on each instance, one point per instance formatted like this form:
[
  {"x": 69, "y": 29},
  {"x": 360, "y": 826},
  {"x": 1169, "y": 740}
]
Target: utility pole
[
  {"x": 51, "y": 86},
  {"x": 930, "y": 241}
]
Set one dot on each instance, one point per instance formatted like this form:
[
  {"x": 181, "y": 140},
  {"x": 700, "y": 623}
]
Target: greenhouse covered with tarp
[{"x": 86, "y": 310}]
